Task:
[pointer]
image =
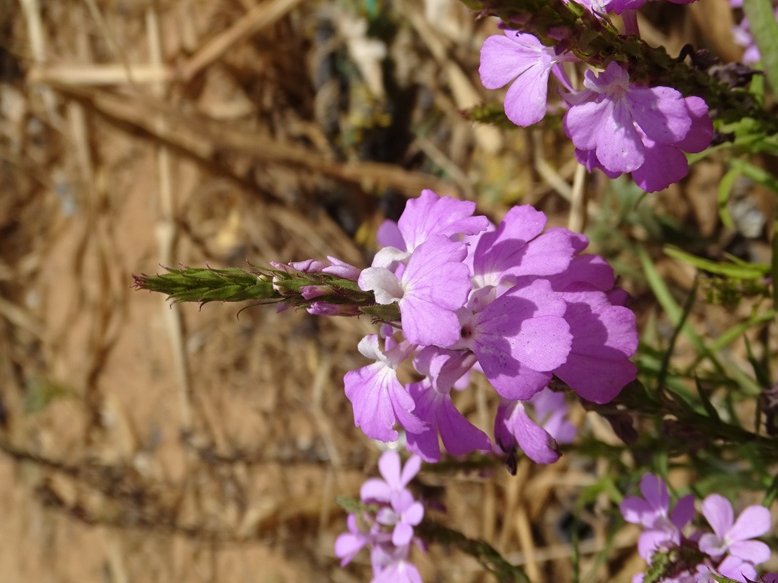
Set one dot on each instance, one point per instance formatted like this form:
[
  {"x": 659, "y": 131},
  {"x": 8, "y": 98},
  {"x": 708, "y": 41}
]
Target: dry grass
[{"x": 145, "y": 442}]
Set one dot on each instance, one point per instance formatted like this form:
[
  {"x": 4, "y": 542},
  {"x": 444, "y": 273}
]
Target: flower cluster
[
  {"x": 386, "y": 525},
  {"x": 615, "y": 125},
  {"x": 728, "y": 551},
  {"x": 513, "y": 301}
]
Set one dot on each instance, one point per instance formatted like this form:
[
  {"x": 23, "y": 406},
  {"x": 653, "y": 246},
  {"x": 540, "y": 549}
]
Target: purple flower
[
  {"x": 403, "y": 514},
  {"x": 395, "y": 477},
  {"x": 435, "y": 408},
  {"x": 388, "y": 529},
  {"x": 611, "y": 114},
  {"x": 333, "y": 266},
  {"x": 662, "y": 527},
  {"x": 514, "y": 427},
  {"x": 391, "y": 565},
  {"x": 515, "y": 301},
  {"x": 348, "y": 544},
  {"x": 524, "y": 62},
  {"x": 376, "y": 394},
  {"x": 535, "y": 426},
  {"x": 330, "y": 309},
  {"x": 618, "y": 127},
  {"x": 733, "y": 537},
  {"x": 519, "y": 247},
  {"x": 520, "y": 338},
  {"x": 432, "y": 287},
  {"x": 427, "y": 216},
  {"x": 604, "y": 337},
  {"x": 550, "y": 412}
]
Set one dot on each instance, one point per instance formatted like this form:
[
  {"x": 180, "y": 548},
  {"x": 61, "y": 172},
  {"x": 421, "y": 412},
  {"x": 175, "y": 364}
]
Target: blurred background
[{"x": 147, "y": 442}]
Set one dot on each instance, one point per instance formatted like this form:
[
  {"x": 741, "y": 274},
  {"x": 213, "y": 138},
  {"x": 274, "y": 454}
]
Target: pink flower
[
  {"x": 376, "y": 394},
  {"x": 732, "y": 538},
  {"x": 620, "y": 127},
  {"x": 433, "y": 285},
  {"x": 520, "y": 338},
  {"x": 394, "y": 476},
  {"x": 662, "y": 527},
  {"x": 427, "y": 216},
  {"x": 435, "y": 408},
  {"x": 389, "y": 529},
  {"x": 523, "y": 61},
  {"x": 610, "y": 115}
]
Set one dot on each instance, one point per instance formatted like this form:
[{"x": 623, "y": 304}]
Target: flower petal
[
  {"x": 661, "y": 112},
  {"x": 718, "y": 512},
  {"x": 527, "y": 97},
  {"x": 752, "y": 522}
]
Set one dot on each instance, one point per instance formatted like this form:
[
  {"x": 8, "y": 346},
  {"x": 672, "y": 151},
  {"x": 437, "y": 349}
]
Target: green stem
[{"x": 486, "y": 554}]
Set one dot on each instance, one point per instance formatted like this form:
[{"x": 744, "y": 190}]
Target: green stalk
[{"x": 764, "y": 29}]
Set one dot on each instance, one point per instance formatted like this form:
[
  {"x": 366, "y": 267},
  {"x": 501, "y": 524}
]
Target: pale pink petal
[
  {"x": 651, "y": 541},
  {"x": 389, "y": 466},
  {"x": 542, "y": 343},
  {"x": 737, "y": 569},
  {"x": 754, "y": 521},
  {"x": 504, "y": 58},
  {"x": 582, "y": 123},
  {"x": 619, "y": 146},
  {"x": 701, "y": 132},
  {"x": 429, "y": 215},
  {"x": 527, "y": 97},
  {"x": 376, "y": 489},
  {"x": 411, "y": 468},
  {"x": 718, "y": 512},
  {"x": 753, "y": 551}
]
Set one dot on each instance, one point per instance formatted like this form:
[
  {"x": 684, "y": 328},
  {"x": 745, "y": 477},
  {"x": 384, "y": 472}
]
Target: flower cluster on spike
[
  {"x": 516, "y": 302},
  {"x": 729, "y": 551},
  {"x": 386, "y": 522},
  {"x": 616, "y": 126}
]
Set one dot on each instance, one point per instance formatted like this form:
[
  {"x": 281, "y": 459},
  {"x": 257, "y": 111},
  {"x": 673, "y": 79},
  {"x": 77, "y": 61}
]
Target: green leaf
[
  {"x": 706, "y": 404},
  {"x": 755, "y": 173},
  {"x": 733, "y": 270},
  {"x": 724, "y": 193}
]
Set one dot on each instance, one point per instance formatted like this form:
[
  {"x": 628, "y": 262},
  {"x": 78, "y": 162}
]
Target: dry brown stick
[
  {"x": 204, "y": 140},
  {"x": 442, "y": 160},
  {"x": 165, "y": 232},
  {"x": 36, "y": 37},
  {"x": 110, "y": 39},
  {"x": 578, "y": 204},
  {"x": 98, "y": 74},
  {"x": 256, "y": 19},
  {"x": 545, "y": 170}
]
